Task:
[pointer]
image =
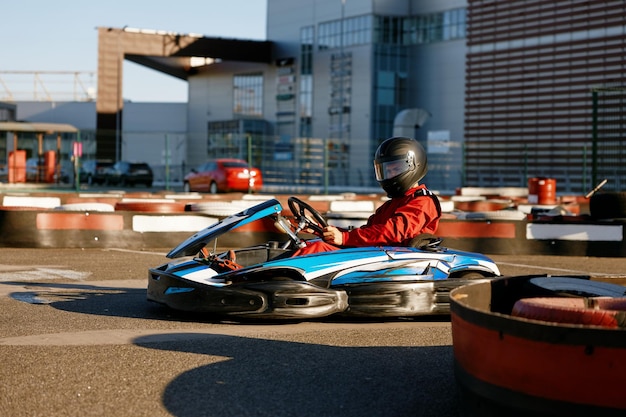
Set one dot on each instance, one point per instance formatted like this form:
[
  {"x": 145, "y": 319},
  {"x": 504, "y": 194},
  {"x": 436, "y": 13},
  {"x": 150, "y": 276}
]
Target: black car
[
  {"x": 126, "y": 173},
  {"x": 95, "y": 171}
]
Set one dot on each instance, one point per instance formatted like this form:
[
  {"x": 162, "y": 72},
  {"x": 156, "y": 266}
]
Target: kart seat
[{"x": 426, "y": 241}]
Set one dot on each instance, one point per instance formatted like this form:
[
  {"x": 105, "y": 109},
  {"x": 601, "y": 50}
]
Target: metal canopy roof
[
  {"x": 177, "y": 63},
  {"x": 175, "y": 54},
  {"x": 37, "y": 127}
]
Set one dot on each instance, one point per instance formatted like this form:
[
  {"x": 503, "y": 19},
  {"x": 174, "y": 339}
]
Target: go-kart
[{"x": 266, "y": 281}]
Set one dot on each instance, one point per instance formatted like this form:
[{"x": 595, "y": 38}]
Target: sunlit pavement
[{"x": 78, "y": 338}]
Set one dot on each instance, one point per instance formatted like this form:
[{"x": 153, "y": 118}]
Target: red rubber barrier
[
  {"x": 107, "y": 200},
  {"x": 79, "y": 221},
  {"x": 151, "y": 207},
  {"x": 513, "y": 366},
  {"x": 483, "y": 205},
  {"x": 468, "y": 229},
  {"x": 595, "y": 311}
]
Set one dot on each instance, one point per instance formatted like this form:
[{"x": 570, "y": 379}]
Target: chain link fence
[{"x": 321, "y": 165}]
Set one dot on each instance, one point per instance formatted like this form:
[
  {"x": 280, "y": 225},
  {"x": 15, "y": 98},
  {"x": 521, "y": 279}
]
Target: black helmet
[{"x": 399, "y": 164}]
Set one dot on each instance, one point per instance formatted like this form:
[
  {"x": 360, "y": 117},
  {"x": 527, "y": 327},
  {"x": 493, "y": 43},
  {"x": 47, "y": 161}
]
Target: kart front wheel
[{"x": 470, "y": 275}]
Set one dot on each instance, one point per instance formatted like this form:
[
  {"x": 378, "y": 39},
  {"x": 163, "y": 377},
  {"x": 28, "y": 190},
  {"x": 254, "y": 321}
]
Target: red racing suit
[{"x": 396, "y": 222}]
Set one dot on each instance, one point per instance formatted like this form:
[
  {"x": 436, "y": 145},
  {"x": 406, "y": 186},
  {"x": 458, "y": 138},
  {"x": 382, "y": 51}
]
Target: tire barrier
[
  {"x": 96, "y": 199},
  {"x": 493, "y": 215},
  {"x": 506, "y": 364},
  {"x": 506, "y": 231},
  {"x": 151, "y": 206},
  {"x": 220, "y": 208},
  {"x": 483, "y": 205},
  {"x": 49, "y": 228},
  {"x": 86, "y": 207},
  {"x": 573, "y": 301},
  {"x": 30, "y": 201},
  {"x": 605, "y": 312},
  {"x": 554, "y": 285},
  {"x": 447, "y": 206},
  {"x": 350, "y": 214},
  {"x": 608, "y": 205}
]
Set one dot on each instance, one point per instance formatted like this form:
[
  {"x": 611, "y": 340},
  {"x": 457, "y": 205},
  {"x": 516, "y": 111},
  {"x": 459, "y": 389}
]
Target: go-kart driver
[{"x": 400, "y": 163}]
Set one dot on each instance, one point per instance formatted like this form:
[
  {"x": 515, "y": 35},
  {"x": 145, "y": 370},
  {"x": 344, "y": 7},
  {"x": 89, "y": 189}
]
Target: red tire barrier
[
  {"x": 596, "y": 311},
  {"x": 79, "y": 221},
  {"x": 483, "y": 205},
  {"x": 150, "y": 207},
  {"x": 507, "y": 365},
  {"x": 24, "y": 208},
  {"x": 79, "y": 200},
  {"x": 472, "y": 229}
]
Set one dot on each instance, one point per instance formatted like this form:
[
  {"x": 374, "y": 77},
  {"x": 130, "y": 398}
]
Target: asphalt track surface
[{"x": 78, "y": 338}]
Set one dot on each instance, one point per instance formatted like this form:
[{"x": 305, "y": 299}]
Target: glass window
[
  {"x": 394, "y": 30},
  {"x": 307, "y": 38},
  {"x": 347, "y": 32},
  {"x": 306, "y": 96},
  {"x": 248, "y": 94}
]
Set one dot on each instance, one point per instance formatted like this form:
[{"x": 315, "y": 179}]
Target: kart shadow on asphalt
[
  {"x": 132, "y": 303},
  {"x": 246, "y": 376},
  {"x": 259, "y": 377},
  {"x": 98, "y": 300}
]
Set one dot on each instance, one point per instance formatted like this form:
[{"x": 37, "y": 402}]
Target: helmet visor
[{"x": 390, "y": 169}]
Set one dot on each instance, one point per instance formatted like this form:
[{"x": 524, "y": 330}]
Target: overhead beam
[{"x": 166, "y": 52}]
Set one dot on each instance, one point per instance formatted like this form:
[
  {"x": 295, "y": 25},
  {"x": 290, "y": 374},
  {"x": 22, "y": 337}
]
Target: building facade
[
  {"x": 342, "y": 73},
  {"x": 546, "y": 93},
  {"x": 512, "y": 90},
  {"x": 497, "y": 91}
]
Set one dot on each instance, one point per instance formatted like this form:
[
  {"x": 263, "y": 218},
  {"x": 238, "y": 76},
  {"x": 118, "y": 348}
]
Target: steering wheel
[{"x": 306, "y": 215}]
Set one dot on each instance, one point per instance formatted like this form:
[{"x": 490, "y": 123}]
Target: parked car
[
  {"x": 224, "y": 175},
  {"x": 129, "y": 173},
  {"x": 95, "y": 171}
]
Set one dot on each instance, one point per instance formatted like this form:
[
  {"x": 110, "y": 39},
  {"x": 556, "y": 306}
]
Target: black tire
[
  {"x": 573, "y": 286},
  {"x": 469, "y": 275},
  {"x": 608, "y": 205}
]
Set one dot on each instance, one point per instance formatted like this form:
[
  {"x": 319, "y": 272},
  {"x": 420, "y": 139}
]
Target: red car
[{"x": 224, "y": 175}]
